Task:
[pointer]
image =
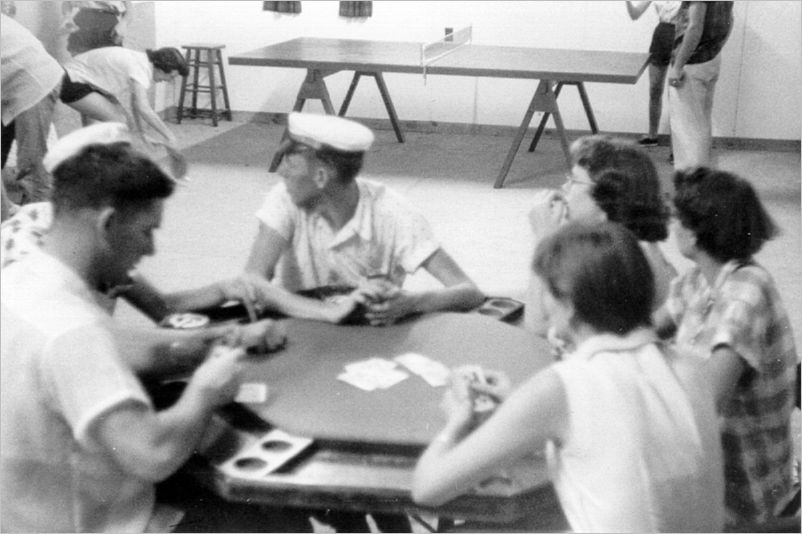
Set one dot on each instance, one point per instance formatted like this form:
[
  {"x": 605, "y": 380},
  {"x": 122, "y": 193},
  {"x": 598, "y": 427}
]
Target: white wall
[{"x": 758, "y": 95}]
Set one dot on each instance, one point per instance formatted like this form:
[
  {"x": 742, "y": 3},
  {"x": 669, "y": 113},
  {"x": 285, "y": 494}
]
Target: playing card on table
[
  {"x": 373, "y": 373},
  {"x": 359, "y": 380},
  {"x": 371, "y": 365},
  {"x": 433, "y": 372}
]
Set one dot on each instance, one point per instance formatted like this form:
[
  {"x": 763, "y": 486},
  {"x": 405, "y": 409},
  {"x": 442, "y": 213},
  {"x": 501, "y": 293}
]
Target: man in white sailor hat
[
  {"x": 81, "y": 445},
  {"x": 330, "y": 228}
]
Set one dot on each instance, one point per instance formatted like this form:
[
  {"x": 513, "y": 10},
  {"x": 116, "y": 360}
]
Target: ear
[{"x": 104, "y": 220}]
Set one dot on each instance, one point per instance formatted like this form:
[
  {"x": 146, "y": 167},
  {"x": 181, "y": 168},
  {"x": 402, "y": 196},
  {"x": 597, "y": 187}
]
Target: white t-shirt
[
  {"x": 384, "y": 237},
  {"x": 643, "y": 450},
  {"x": 111, "y": 69},
  {"x": 28, "y": 72},
  {"x": 60, "y": 373},
  {"x": 667, "y": 11}
]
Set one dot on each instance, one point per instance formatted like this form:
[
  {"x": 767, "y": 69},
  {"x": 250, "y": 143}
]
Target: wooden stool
[{"x": 199, "y": 56}]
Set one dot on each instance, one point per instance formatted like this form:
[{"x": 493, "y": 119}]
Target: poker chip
[{"x": 185, "y": 320}]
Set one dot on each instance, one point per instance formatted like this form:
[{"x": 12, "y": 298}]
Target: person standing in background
[
  {"x": 659, "y": 58},
  {"x": 31, "y": 80},
  {"x": 702, "y": 29},
  {"x": 93, "y": 24}
]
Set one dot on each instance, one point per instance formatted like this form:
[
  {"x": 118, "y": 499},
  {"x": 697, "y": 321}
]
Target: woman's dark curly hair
[
  {"x": 723, "y": 211},
  {"x": 626, "y": 184},
  {"x": 168, "y": 59}
]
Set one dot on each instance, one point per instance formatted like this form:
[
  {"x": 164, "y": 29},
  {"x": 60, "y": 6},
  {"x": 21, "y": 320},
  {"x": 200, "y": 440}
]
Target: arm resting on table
[{"x": 265, "y": 253}]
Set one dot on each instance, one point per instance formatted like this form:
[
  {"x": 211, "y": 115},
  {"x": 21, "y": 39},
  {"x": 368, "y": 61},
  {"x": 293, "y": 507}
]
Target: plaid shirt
[
  {"x": 743, "y": 311},
  {"x": 716, "y": 30}
]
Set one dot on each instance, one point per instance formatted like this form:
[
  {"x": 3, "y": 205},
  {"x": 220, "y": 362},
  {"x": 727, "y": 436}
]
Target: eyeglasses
[{"x": 570, "y": 180}]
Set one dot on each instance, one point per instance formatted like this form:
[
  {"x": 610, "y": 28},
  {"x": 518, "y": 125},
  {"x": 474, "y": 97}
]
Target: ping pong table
[{"x": 553, "y": 68}]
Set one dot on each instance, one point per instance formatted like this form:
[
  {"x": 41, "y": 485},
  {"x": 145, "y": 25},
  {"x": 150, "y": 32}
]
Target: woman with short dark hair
[
  {"x": 611, "y": 180},
  {"x": 628, "y": 425},
  {"x": 727, "y": 310}
]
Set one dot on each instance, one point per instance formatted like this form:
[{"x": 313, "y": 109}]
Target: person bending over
[
  {"x": 103, "y": 83},
  {"x": 628, "y": 425},
  {"x": 726, "y": 309},
  {"x": 31, "y": 80},
  {"x": 610, "y": 180},
  {"x": 330, "y": 228}
]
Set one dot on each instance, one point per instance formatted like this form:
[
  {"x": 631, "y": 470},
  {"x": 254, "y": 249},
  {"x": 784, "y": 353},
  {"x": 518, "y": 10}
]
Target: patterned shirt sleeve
[
  {"x": 23, "y": 232},
  {"x": 744, "y": 313},
  {"x": 675, "y": 302}
]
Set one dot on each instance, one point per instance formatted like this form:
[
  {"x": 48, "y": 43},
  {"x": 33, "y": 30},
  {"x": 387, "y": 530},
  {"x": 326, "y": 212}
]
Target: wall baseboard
[{"x": 458, "y": 128}]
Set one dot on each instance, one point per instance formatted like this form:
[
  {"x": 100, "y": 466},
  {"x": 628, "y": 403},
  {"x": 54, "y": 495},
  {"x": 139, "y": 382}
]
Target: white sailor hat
[
  {"x": 102, "y": 133},
  {"x": 318, "y": 131}
]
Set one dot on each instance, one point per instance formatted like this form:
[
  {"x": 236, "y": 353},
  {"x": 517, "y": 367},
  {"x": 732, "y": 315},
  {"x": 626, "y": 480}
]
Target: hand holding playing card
[
  {"x": 486, "y": 389},
  {"x": 457, "y": 403},
  {"x": 496, "y": 384},
  {"x": 375, "y": 289},
  {"x": 396, "y": 305},
  {"x": 265, "y": 336}
]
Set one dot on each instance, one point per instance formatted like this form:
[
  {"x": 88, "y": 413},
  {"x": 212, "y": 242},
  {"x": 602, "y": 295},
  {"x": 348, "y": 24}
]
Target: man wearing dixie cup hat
[
  {"x": 81, "y": 445},
  {"x": 322, "y": 226}
]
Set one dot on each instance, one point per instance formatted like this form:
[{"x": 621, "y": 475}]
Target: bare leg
[
  {"x": 95, "y": 106},
  {"x": 657, "y": 77}
]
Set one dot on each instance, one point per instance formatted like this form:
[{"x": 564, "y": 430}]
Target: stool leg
[
  {"x": 212, "y": 85},
  {"x": 223, "y": 84},
  {"x": 180, "y": 114},
  {"x": 196, "y": 65}
]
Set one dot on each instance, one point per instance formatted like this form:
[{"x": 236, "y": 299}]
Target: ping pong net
[{"x": 431, "y": 52}]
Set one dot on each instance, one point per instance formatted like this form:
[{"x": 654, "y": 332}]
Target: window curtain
[
  {"x": 356, "y": 9},
  {"x": 282, "y": 7}
]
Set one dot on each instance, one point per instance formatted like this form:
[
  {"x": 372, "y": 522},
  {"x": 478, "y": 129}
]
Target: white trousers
[{"x": 691, "y": 114}]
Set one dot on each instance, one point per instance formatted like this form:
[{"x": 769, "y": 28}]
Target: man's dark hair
[
  {"x": 168, "y": 59},
  {"x": 626, "y": 184},
  {"x": 602, "y": 271},
  {"x": 723, "y": 211},
  {"x": 108, "y": 175}
]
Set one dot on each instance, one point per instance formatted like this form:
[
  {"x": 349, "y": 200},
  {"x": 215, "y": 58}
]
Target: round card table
[
  {"x": 306, "y": 397},
  {"x": 319, "y": 442}
]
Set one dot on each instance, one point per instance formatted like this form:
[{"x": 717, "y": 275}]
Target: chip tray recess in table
[
  {"x": 185, "y": 320},
  {"x": 269, "y": 453}
]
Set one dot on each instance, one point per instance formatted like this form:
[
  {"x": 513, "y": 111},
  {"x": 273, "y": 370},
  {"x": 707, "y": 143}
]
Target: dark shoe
[{"x": 647, "y": 141}]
